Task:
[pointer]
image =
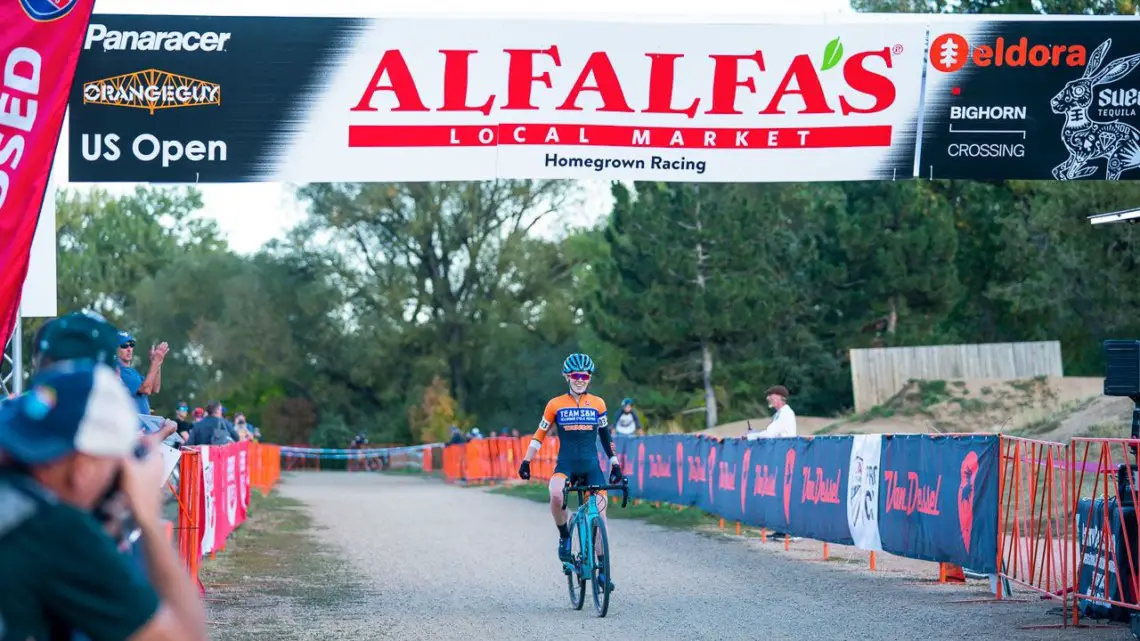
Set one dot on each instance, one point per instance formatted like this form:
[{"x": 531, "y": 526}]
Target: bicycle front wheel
[
  {"x": 575, "y": 579},
  {"x": 601, "y": 568}
]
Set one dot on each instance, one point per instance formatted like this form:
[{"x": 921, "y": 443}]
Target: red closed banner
[
  {"x": 225, "y": 492},
  {"x": 39, "y": 47}
]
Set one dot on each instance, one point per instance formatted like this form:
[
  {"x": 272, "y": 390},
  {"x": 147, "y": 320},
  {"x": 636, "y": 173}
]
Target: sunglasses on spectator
[
  {"x": 127, "y": 344},
  {"x": 579, "y": 376}
]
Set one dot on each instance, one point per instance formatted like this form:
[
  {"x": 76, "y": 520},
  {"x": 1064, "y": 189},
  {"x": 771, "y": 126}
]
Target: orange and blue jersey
[{"x": 579, "y": 422}]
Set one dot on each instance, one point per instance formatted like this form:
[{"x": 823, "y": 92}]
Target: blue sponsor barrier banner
[
  {"x": 938, "y": 498},
  {"x": 919, "y": 496},
  {"x": 817, "y": 505}
]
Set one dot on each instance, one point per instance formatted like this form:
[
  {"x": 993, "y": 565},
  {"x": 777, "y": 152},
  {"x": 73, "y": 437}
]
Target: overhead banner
[
  {"x": 39, "y": 47},
  {"x": 245, "y": 99},
  {"x": 1032, "y": 100}
]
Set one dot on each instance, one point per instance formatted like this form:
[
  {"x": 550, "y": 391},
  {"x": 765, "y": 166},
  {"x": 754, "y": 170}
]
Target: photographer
[{"x": 67, "y": 449}]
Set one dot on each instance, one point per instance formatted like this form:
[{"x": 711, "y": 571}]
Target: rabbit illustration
[{"x": 1117, "y": 142}]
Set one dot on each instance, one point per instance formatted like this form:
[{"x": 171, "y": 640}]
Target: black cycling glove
[
  {"x": 615, "y": 474},
  {"x": 524, "y": 470}
]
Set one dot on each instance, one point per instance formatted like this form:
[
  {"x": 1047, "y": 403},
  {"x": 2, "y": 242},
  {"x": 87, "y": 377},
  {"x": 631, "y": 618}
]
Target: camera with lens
[{"x": 113, "y": 509}]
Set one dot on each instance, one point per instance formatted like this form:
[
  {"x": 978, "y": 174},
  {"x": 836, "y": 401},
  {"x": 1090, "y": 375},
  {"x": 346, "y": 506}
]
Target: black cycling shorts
[{"x": 582, "y": 472}]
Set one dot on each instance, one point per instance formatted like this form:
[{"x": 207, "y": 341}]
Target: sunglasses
[
  {"x": 127, "y": 344},
  {"x": 579, "y": 376}
]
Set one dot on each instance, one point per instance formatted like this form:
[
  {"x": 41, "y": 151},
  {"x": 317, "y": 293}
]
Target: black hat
[{"x": 78, "y": 335}]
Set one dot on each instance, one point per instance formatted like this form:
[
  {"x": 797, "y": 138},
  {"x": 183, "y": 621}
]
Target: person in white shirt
[
  {"x": 628, "y": 424},
  {"x": 783, "y": 423}
]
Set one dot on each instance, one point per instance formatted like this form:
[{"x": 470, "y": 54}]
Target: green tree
[
  {"x": 695, "y": 274},
  {"x": 439, "y": 268},
  {"x": 109, "y": 244}
]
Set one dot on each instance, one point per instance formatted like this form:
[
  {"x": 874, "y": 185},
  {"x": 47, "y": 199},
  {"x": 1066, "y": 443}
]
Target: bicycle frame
[{"x": 585, "y": 516}]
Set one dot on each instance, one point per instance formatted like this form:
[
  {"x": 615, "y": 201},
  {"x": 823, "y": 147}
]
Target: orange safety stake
[
  {"x": 826, "y": 551},
  {"x": 872, "y": 561},
  {"x": 722, "y": 524},
  {"x": 738, "y": 528},
  {"x": 950, "y": 573}
]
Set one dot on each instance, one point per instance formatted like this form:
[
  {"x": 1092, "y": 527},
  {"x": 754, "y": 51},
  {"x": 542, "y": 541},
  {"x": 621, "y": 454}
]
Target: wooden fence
[{"x": 878, "y": 374}]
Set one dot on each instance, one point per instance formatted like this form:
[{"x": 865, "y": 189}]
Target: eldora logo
[
  {"x": 47, "y": 10},
  {"x": 735, "y": 84},
  {"x": 966, "y": 494},
  {"x": 949, "y": 52},
  {"x": 789, "y": 466}
]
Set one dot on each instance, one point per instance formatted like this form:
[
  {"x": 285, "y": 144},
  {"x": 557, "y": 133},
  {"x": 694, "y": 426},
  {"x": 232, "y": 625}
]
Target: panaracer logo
[
  {"x": 151, "y": 89},
  {"x": 950, "y": 52},
  {"x": 192, "y": 41}
]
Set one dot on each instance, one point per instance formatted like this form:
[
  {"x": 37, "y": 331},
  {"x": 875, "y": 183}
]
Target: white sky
[{"x": 252, "y": 214}]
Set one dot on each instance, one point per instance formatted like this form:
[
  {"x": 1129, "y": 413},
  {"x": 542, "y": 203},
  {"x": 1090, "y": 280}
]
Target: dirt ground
[
  {"x": 356, "y": 555},
  {"x": 1047, "y": 408}
]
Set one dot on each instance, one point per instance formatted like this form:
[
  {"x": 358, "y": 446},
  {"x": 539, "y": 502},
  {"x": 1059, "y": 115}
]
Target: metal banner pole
[{"x": 18, "y": 356}]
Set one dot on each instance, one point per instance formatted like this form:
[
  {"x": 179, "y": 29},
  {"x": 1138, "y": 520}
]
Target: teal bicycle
[{"x": 588, "y": 538}]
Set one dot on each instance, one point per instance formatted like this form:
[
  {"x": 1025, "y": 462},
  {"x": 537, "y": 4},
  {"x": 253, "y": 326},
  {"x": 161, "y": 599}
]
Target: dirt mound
[
  {"x": 1099, "y": 416},
  {"x": 1054, "y": 408},
  {"x": 977, "y": 405}
]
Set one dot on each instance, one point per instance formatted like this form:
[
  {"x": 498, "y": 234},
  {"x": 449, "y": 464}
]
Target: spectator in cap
[
  {"x": 182, "y": 418},
  {"x": 86, "y": 335},
  {"x": 783, "y": 423},
  {"x": 141, "y": 388},
  {"x": 628, "y": 423},
  {"x": 67, "y": 445}
]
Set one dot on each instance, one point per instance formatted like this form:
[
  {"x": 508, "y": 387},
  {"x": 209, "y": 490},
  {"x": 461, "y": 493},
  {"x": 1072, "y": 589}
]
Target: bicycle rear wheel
[
  {"x": 601, "y": 568},
  {"x": 575, "y": 581}
]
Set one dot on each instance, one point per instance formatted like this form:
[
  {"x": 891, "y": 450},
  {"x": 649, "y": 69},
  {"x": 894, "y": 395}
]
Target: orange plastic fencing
[
  {"x": 1035, "y": 524},
  {"x": 264, "y": 472},
  {"x": 266, "y": 466},
  {"x": 189, "y": 522},
  {"x": 496, "y": 459}
]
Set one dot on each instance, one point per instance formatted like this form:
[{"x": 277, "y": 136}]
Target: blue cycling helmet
[
  {"x": 578, "y": 363},
  {"x": 627, "y": 401}
]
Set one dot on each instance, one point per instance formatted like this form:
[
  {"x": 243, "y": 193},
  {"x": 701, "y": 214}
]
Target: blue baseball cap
[
  {"x": 125, "y": 337},
  {"x": 73, "y": 406},
  {"x": 76, "y": 336}
]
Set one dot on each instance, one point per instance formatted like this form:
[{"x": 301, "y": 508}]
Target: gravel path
[{"x": 443, "y": 562}]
